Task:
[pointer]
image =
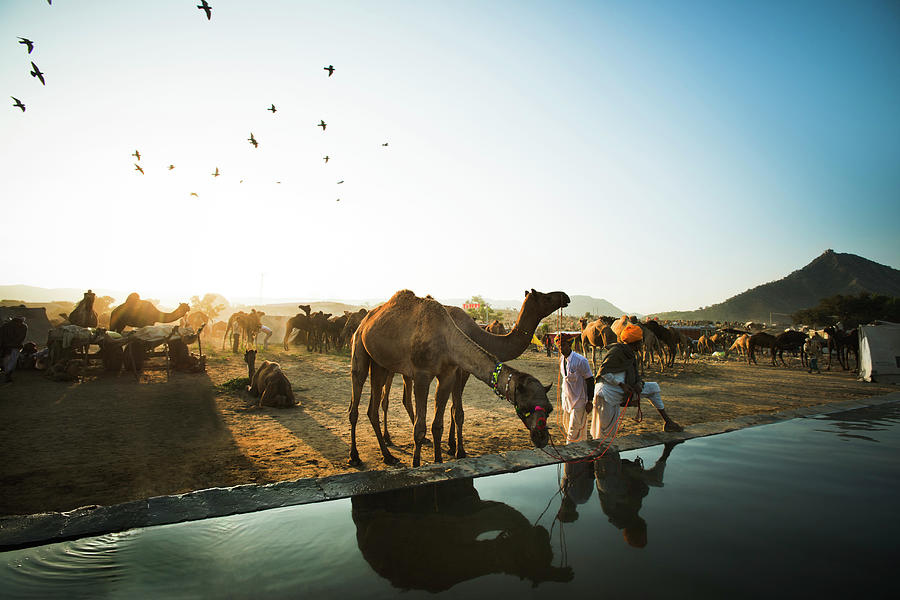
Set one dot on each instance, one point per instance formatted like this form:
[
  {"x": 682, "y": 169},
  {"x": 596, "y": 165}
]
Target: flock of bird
[{"x": 207, "y": 9}]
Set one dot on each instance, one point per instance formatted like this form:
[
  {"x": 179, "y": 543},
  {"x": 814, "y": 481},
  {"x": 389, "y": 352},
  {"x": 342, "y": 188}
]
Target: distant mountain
[
  {"x": 596, "y": 306},
  {"x": 830, "y": 274}
]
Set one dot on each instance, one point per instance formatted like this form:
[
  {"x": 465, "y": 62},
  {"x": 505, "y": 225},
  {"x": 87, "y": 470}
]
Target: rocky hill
[{"x": 830, "y": 274}]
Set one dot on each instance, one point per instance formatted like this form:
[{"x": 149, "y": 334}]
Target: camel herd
[{"x": 423, "y": 340}]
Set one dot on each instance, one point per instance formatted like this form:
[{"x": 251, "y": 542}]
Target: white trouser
[
  {"x": 577, "y": 424},
  {"x": 606, "y": 402}
]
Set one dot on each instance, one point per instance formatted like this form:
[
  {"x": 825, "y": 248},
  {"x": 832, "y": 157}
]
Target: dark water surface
[{"x": 802, "y": 508}]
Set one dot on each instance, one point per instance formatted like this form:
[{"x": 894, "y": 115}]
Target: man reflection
[
  {"x": 622, "y": 485},
  {"x": 577, "y": 486},
  {"x": 434, "y": 536}
]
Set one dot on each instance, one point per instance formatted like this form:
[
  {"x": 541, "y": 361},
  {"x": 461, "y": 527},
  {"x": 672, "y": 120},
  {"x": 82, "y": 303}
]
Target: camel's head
[
  {"x": 533, "y": 407},
  {"x": 183, "y": 308},
  {"x": 546, "y": 303}
]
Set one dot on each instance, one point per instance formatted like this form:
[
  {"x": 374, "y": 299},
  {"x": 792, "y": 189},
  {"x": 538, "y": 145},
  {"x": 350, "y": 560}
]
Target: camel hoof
[
  {"x": 461, "y": 453},
  {"x": 388, "y": 441},
  {"x": 390, "y": 459},
  {"x": 354, "y": 462},
  {"x": 426, "y": 442}
]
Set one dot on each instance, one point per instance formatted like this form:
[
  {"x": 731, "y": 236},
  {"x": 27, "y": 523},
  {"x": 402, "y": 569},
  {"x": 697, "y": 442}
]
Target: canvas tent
[
  {"x": 35, "y": 318},
  {"x": 879, "y": 352}
]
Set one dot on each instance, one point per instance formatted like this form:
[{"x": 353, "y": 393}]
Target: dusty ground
[{"x": 110, "y": 439}]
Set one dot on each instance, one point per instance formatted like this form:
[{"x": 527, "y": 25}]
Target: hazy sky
[{"x": 661, "y": 155}]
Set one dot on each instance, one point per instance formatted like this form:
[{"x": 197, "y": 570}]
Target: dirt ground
[{"x": 111, "y": 439}]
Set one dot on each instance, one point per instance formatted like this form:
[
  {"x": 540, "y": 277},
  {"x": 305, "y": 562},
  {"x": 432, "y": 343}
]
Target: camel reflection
[
  {"x": 622, "y": 485},
  {"x": 435, "y": 536}
]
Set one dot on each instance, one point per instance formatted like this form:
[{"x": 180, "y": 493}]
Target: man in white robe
[{"x": 577, "y": 390}]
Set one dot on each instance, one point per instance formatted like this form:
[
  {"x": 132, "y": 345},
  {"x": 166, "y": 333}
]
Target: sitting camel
[
  {"x": 141, "y": 313},
  {"x": 269, "y": 383},
  {"x": 417, "y": 338},
  {"x": 83, "y": 314}
]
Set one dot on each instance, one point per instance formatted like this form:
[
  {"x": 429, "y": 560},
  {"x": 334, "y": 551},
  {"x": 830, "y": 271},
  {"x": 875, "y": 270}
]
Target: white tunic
[{"x": 574, "y": 370}]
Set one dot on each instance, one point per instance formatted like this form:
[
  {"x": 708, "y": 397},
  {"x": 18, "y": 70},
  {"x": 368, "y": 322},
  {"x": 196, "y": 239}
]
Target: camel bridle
[{"x": 522, "y": 413}]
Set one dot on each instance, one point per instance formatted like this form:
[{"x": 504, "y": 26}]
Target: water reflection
[
  {"x": 621, "y": 485},
  {"x": 868, "y": 419},
  {"x": 435, "y": 536}
]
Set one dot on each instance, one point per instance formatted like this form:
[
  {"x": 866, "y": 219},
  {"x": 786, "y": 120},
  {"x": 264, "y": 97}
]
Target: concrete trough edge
[{"x": 17, "y": 531}]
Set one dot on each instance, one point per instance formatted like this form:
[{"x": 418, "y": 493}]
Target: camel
[
  {"x": 299, "y": 322},
  {"x": 789, "y": 340},
  {"x": 417, "y": 338},
  {"x": 218, "y": 328},
  {"x": 83, "y": 314},
  {"x": 596, "y": 334},
  {"x": 353, "y": 321},
  {"x": 141, "y": 313},
  {"x": 668, "y": 340},
  {"x": 842, "y": 343},
  {"x": 685, "y": 343},
  {"x": 195, "y": 320},
  {"x": 248, "y": 324},
  {"x": 318, "y": 326},
  {"x": 333, "y": 329},
  {"x": 740, "y": 345},
  {"x": 759, "y": 340},
  {"x": 704, "y": 344},
  {"x": 495, "y": 327},
  {"x": 397, "y": 532},
  {"x": 535, "y": 307},
  {"x": 272, "y": 386}
]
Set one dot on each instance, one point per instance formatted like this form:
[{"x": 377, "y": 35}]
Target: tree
[
  {"x": 850, "y": 310},
  {"x": 484, "y": 310},
  {"x": 102, "y": 304},
  {"x": 211, "y": 304}
]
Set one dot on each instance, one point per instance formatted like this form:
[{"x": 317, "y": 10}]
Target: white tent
[{"x": 879, "y": 352}]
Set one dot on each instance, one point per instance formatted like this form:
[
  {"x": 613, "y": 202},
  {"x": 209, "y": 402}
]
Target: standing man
[
  {"x": 12, "y": 334},
  {"x": 620, "y": 380},
  {"x": 812, "y": 349},
  {"x": 267, "y": 331},
  {"x": 577, "y": 389}
]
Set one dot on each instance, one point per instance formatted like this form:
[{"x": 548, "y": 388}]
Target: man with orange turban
[{"x": 620, "y": 379}]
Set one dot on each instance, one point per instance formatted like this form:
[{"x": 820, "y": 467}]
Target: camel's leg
[
  {"x": 359, "y": 368},
  {"x": 287, "y": 335},
  {"x": 385, "y": 403},
  {"x": 421, "y": 385},
  {"x": 377, "y": 376},
  {"x": 455, "y": 438},
  {"x": 444, "y": 387}
]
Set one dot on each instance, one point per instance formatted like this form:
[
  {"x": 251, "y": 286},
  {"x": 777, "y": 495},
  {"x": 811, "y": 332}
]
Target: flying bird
[
  {"x": 330, "y": 69},
  {"x": 195, "y": 194},
  {"x": 385, "y": 144},
  {"x": 18, "y": 103},
  {"x": 28, "y": 43},
  {"x": 171, "y": 167},
  {"x": 340, "y": 182},
  {"x": 216, "y": 174},
  {"x": 252, "y": 140},
  {"x": 137, "y": 167},
  {"x": 338, "y": 200},
  {"x": 273, "y": 109},
  {"x": 204, "y": 6},
  {"x": 321, "y": 124},
  {"x": 137, "y": 154},
  {"x": 37, "y": 73},
  {"x": 326, "y": 158}
]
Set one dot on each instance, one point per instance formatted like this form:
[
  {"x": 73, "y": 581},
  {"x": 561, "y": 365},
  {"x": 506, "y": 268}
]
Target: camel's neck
[
  {"x": 512, "y": 344},
  {"x": 170, "y": 316},
  {"x": 472, "y": 357}
]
